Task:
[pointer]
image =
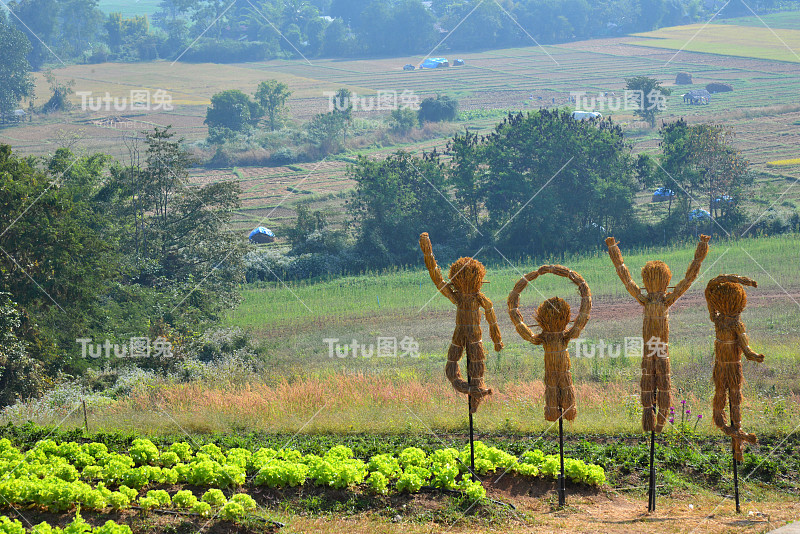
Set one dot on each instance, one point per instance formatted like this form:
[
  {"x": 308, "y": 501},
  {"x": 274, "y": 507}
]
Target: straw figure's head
[
  {"x": 466, "y": 275},
  {"x": 553, "y": 315},
  {"x": 656, "y": 276},
  {"x": 728, "y": 298}
]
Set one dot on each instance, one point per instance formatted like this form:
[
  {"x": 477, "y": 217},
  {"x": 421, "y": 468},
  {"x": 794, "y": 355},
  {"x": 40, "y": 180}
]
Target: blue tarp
[
  {"x": 262, "y": 235},
  {"x": 699, "y": 215},
  {"x": 433, "y": 62},
  {"x": 662, "y": 193}
]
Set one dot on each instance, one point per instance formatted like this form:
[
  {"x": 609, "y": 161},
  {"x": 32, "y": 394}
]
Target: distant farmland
[{"x": 728, "y": 40}]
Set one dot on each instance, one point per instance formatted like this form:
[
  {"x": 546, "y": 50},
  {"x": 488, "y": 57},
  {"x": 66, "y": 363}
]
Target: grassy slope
[{"x": 405, "y": 292}]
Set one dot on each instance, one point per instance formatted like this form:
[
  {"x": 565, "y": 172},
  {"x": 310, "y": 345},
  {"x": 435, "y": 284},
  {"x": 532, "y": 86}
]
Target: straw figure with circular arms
[
  {"x": 726, "y": 299},
  {"x": 553, "y": 316},
  {"x": 656, "y": 385},
  {"x": 464, "y": 290}
]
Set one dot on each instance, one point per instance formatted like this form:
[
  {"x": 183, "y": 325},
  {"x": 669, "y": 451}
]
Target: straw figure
[
  {"x": 552, "y": 316},
  {"x": 726, "y": 299},
  {"x": 655, "y": 383},
  {"x": 464, "y": 290}
]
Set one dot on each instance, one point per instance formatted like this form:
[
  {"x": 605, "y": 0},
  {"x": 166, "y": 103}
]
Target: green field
[
  {"x": 787, "y": 20},
  {"x": 747, "y": 41},
  {"x": 129, "y": 8}
]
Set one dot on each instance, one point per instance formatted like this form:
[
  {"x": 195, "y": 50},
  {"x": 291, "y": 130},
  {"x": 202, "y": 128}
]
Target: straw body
[
  {"x": 656, "y": 387},
  {"x": 466, "y": 278},
  {"x": 726, "y": 299},
  {"x": 552, "y": 316}
]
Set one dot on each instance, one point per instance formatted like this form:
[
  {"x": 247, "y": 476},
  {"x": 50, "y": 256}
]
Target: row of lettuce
[{"x": 58, "y": 477}]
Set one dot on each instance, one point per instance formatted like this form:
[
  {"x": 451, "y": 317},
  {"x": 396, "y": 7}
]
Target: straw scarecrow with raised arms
[
  {"x": 655, "y": 383},
  {"x": 464, "y": 290},
  {"x": 552, "y": 316},
  {"x": 726, "y": 299}
]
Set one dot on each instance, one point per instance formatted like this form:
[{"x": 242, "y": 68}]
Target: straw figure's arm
[
  {"x": 691, "y": 273},
  {"x": 516, "y": 316},
  {"x": 744, "y": 343},
  {"x": 586, "y": 306},
  {"x": 622, "y": 270},
  {"x": 491, "y": 318},
  {"x": 433, "y": 269}
]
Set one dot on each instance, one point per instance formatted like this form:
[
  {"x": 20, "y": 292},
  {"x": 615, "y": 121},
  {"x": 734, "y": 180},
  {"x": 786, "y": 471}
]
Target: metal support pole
[
  {"x": 562, "y": 488},
  {"x": 651, "y": 506}
]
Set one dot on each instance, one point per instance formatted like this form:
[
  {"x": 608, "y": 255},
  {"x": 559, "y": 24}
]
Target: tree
[
  {"x": 573, "y": 182},
  {"x": 81, "y": 21},
  {"x": 21, "y": 376},
  {"x": 61, "y": 242},
  {"x": 122, "y": 31},
  {"x": 16, "y": 81},
  {"x": 40, "y": 26},
  {"x": 397, "y": 199},
  {"x": 704, "y": 166},
  {"x": 272, "y": 95},
  {"x": 404, "y": 120},
  {"x": 312, "y": 235},
  {"x": 61, "y": 91},
  {"x": 441, "y": 108},
  {"x": 183, "y": 235},
  {"x": 650, "y": 97},
  {"x": 412, "y": 27},
  {"x": 336, "y": 40},
  {"x": 232, "y": 109},
  {"x": 325, "y": 129},
  {"x": 467, "y": 174},
  {"x": 343, "y": 107}
]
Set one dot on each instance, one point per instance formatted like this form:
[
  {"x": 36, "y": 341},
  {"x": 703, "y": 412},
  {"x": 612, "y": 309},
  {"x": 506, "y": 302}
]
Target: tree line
[
  {"x": 540, "y": 185},
  {"x": 77, "y": 30}
]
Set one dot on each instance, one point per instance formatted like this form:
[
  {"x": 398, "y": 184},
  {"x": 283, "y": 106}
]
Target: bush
[
  {"x": 99, "y": 55},
  {"x": 221, "y": 159},
  {"x": 683, "y": 78},
  {"x": 718, "y": 87},
  {"x": 226, "y": 51},
  {"x": 219, "y": 135},
  {"x": 441, "y": 108},
  {"x": 404, "y": 120},
  {"x": 283, "y": 156}
]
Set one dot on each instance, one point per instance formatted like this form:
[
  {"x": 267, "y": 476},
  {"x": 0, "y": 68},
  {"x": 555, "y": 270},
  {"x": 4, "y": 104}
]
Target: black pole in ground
[
  {"x": 735, "y": 467},
  {"x": 562, "y": 488},
  {"x": 651, "y": 505},
  {"x": 85, "y": 417},
  {"x": 471, "y": 427}
]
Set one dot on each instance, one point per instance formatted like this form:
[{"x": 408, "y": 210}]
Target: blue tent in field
[
  {"x": 262, "y": 235},
  {"x": 434, "y": 63}
]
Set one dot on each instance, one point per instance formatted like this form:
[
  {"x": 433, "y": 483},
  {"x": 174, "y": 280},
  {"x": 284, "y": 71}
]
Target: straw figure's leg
[
  {"x": 452, "y": 370},
  {"x": 551, "y": 393},
  {"x": 648, "y": 386},
  {"x": 566, "y": 391},
  {"x": 664, "y": 391},
  {"x": 477, "y": 368}
]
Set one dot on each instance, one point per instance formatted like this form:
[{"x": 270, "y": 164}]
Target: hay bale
[
  {"x": 726, "y": 299},
  {"x": 464, "y": 290},
  {"x": 683, "y": 78},
  {"x": 656, "y": 387},
  {"x": 719, "y": 87},
  {"x": 553, "y": 316}
]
